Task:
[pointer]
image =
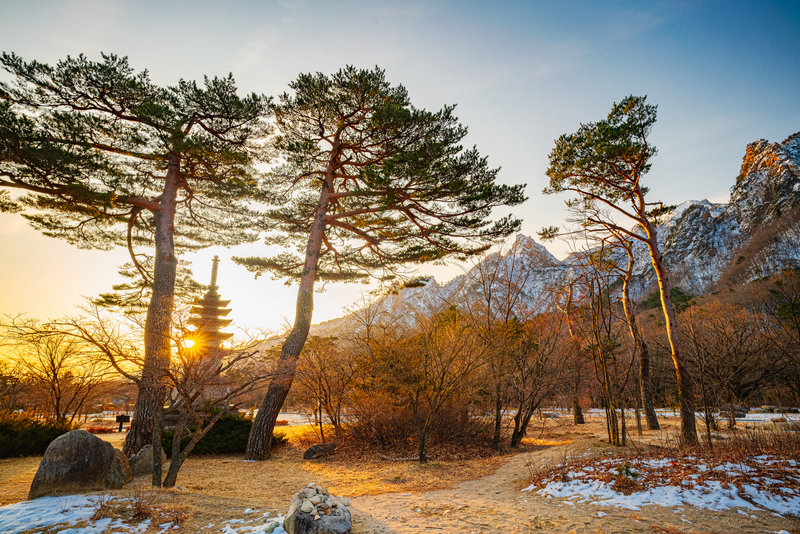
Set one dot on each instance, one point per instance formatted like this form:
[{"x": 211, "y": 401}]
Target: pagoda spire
[{"x": 212, "y": 287}]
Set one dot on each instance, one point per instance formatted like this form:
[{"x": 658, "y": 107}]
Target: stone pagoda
[{"x": 207, "y": 316}]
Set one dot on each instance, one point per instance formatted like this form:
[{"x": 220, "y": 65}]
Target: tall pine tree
[
  {"x": 369, "y": 183},
  {"x": 108, "y": 158}
]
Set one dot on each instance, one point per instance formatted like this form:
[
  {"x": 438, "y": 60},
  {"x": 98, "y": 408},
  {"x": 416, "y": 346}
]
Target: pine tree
[
  {"x": 370, "y": 183},
  {"x": 108, "y": 158},
  {"x": 603, "y": 163}
]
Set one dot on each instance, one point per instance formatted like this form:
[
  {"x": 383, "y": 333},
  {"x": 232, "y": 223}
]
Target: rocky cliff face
[{"x": 705, "y": 245}]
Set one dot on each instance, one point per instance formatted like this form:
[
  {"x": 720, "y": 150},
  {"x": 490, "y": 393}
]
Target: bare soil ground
[{"x": 480, "y": 495}]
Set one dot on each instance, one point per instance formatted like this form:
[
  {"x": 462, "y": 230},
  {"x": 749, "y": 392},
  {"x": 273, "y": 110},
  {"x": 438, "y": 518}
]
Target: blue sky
[{"x": 722, "y": 73}]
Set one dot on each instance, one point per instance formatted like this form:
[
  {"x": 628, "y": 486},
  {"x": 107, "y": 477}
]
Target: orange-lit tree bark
[
  {"x": 108, "y": 159},
  {"x": 370, "y": 183},
  {"x": 603, "y": 164},
  {"x": 645, "y": 393}
]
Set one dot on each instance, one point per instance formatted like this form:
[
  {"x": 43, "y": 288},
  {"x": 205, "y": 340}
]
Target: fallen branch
[{"x": 411, "y": 459}]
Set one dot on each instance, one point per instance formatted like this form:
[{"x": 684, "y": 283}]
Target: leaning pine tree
[
  {"x": 603, "y": 163},
  {"x": 369, "y": 183},
  {"x": 107, "y": 158}
]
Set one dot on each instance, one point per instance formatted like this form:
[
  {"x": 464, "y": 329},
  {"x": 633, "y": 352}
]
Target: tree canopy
[{"x": 399, "y": 188}]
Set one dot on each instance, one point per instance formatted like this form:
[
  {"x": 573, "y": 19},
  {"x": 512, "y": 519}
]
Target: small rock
[
  {"x": 142, "y": 461},
  {"x": 306, "y": 507},
  {"x": 318, "y": 451},
  {"x": 316, "y": 499}
]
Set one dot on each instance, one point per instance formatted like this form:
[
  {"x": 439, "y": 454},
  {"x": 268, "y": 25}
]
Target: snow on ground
[
  {"x": 72, "y": 514},
  {"x": 762, "y": 483}
]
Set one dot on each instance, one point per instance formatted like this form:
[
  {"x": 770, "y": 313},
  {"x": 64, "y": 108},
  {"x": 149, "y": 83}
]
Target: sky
[{"x": 723, "y": 74}]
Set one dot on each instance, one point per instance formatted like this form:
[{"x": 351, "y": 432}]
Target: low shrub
[
  {"x": 100, "y": 430},
  {"x": 380, "y": 422},
  {"x": 228, "y": 436},
  {"x": 25, "y": 436}
]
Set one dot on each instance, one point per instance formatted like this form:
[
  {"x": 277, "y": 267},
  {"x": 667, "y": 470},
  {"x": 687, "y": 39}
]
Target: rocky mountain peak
[{"x": 768, "y": 184}]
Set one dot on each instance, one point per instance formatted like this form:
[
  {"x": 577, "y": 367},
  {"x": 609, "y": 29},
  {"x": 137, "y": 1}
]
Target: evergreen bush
[
  {"x": 22, "y": 435},
  {"x": 228, "y": 436}
]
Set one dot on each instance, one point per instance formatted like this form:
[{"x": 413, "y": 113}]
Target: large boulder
[
  {"x": 142, "y": 461},
  {"x": 315, "y": 511},
  {"x": 79, "y": 461},
  {"x": 319, "y": 450}
]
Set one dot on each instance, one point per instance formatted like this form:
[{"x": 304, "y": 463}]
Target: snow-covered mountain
[{"x": 705, "y": 245}]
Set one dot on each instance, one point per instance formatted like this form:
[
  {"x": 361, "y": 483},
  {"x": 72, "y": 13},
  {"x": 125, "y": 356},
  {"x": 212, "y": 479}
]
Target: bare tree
[
  {"x": 498, "y": 281},
  {"x": 203, "y": 393},
  {"x": 428, "y": 365},
  {"x": 61, "y": 368},
  {"x": 536, "y": 367},
  {"x": 13, "y": 385},
  {"x": 730, "y": 351},
  {"x": 324, "y": 376}
]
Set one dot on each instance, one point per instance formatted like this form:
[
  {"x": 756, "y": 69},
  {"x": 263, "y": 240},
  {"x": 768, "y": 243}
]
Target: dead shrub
[
  {"x": 143, "y": 504},
  {"x": 381, "y": 423}
]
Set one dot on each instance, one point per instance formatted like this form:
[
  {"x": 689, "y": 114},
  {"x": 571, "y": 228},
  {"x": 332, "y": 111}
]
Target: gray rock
[
  {"x": 736, "y": 408},
  {"x": 307, "y": 507},
  {"x": 142, "y": 461},
  {"x": 79, "y": 461},
  {"x": 304, "y": 518},
  {"x": 319, "y": 450}
]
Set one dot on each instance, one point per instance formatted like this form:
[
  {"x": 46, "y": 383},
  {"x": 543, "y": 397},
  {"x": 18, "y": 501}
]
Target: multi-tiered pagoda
[{"x": 207, "y": 316}]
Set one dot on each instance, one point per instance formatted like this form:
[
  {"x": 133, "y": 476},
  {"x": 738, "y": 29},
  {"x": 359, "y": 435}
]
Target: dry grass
[
  {"x": 144, "y": 503},
  {"x": 355, "y": 469}
]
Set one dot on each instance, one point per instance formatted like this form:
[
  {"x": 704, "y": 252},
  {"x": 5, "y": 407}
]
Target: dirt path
[{"x": 495, "y": 504}]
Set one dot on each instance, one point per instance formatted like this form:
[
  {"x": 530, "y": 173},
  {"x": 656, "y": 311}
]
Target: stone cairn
[{"x": 314, "y": 510}]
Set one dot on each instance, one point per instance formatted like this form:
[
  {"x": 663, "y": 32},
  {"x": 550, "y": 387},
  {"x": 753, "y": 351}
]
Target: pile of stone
[{"x": 314, "y": 510}]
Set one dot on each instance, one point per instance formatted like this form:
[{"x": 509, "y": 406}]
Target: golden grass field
[{"x": 458, "y": 495}]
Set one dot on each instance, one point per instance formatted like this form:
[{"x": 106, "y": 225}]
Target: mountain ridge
[{"x": 705, "y": 245}]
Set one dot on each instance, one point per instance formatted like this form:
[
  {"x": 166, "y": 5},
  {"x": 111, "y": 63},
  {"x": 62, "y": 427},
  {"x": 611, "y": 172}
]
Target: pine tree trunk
[
  {"x": 644, "y": 355},
  {"x": 259, "y": 442},
  {"x": 685, "y": 393},
  {"x": 158, "y": 324},
  {"x": 577, "y": 412}
]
